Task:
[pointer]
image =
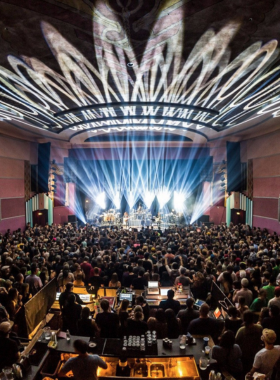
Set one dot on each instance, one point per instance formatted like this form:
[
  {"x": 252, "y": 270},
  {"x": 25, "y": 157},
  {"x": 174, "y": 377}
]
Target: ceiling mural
[{"x": 124, "y": 65}]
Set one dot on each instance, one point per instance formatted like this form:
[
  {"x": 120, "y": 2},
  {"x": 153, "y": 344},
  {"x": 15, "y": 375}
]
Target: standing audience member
[
  {"x": 248, "y": 338},
  {"x": 35, "y": 283},
  {"x": 268, "y": 356},
  {"x": 228, "y": 354}
]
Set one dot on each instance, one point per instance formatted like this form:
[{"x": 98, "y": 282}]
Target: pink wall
[
  {"x": 217, "y": 214},
  {"x": 12, "y": 224},
  {"x": 265, "y": 153},
  {"x": 13, "y": 153},
  {"x": 271, "y": 224},
  {"x": 60, "y": 214}
]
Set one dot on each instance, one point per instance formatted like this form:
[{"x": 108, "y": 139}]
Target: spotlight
[
  {"x": 117, "y": 200},
  {"x": 148, "y": 198},
  {"x": 163, "y": 197},
  {"x": 100, "y": 200},
  {"x": 179, "y": 199}
]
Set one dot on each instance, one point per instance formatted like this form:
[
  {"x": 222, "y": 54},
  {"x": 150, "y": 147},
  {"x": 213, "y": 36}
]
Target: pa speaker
[
  {"x": 72, "y": 218},
  {"x": 44, "y": 151},
  {"x": 34, "y": 178},
  {"x": 203, "y": 219},
  {"x": 234, "y": 181}
]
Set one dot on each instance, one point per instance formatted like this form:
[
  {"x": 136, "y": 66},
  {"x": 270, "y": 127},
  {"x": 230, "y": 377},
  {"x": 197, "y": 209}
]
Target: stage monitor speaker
[
  {"x": 72, "y": 219},
  {"x": 234, "y": 181},
  {"x": 203, "y": 219},
  {"x": 44, "y": 151}
]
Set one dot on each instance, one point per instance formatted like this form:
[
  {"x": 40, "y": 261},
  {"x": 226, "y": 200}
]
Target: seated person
[
  {"x": 86, "y": 325},
  {"x": 107, "y": 322},
  {"x": 170, "y": 303},
  {"x": 204, "y": 325},
  {"x": 187, "y": 315},
  {"x": 137, "y": 326},
  {"x": 145, "y": 307},
  {"x": 71, "y": 314}
]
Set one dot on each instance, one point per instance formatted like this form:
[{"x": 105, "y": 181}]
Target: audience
[{"x": 244, "y": 262}]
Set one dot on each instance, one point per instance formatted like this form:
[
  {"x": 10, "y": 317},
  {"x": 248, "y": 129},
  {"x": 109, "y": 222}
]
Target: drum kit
[{"x": 108, "y": 217}]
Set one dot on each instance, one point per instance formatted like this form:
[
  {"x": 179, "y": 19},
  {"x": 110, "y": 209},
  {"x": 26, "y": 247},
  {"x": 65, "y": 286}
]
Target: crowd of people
[{"x": 243, "y": 262}]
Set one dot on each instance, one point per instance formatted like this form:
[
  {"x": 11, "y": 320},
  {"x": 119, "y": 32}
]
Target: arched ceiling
[{"x": 82, "y": 70}]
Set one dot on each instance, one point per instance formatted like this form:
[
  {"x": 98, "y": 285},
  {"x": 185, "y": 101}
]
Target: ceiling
[{"x": 82, "y": 70}]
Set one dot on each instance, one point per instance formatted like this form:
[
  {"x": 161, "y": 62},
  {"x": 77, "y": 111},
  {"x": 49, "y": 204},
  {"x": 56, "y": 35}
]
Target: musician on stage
[
  {"x": 125, "y": 219},
  {"x": 158, "y": 219}
]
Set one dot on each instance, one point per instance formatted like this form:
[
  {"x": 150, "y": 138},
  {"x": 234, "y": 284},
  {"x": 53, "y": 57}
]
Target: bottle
[
  {"x": 212, "y": 375},
  {"x": 68, "y": 336}
]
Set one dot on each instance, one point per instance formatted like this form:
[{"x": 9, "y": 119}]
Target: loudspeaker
[
  {"x": 72, "y": 219},
  {"x": 34, "y": 178},
  {"x": 44, "y": 151},
  {"x": 203, "y": 219},
  {"x": 234, "y": 182}
]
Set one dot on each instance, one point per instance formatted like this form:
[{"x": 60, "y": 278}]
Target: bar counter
[{"x": 157, "y": 358}]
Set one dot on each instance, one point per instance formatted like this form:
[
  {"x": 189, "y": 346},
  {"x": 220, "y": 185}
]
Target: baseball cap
[
  {"x": 269, "y": 336},
  {"x": 6, "y": 326}
]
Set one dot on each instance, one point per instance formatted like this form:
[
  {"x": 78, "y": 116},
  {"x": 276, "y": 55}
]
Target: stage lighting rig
[{"x": 53, "y": 178}]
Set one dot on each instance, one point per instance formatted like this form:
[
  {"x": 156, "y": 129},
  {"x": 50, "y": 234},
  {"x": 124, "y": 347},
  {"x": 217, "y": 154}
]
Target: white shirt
[
  {"x": 266, "y": 359},
  {"x": 274, "y": 301}
]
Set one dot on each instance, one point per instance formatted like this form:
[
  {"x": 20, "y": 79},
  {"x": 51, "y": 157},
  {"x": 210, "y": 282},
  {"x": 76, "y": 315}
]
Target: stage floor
[{"x": 163, "y": 226}]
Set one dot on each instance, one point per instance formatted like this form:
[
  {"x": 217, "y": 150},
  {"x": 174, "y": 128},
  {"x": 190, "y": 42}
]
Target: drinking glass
[
  {"x": 207, "y": 350},
  {"x": 203, "y": 362},
  {"x": 47, "y": 332}
]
